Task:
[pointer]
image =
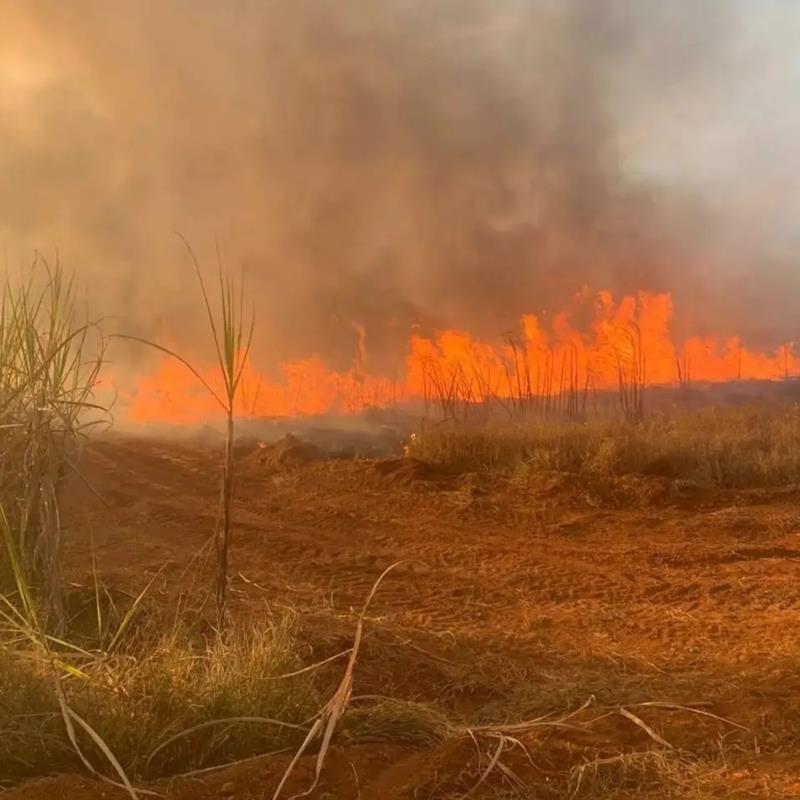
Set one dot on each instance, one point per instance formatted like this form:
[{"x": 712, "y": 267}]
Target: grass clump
[
  {"x": 50, "y": 358},
  {"x": 391, "y": 720},
  {"x": 746, "y": 447},
  {"x": 641, "y": 772},
  {"x": 164, "y": 704}
]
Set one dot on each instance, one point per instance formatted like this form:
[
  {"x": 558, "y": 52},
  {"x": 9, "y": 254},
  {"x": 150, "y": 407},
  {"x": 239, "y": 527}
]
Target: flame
[{"x": 627, "y": 340}]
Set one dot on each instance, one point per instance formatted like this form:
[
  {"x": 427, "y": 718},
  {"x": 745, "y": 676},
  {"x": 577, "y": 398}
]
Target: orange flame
[{"x": 629, "y": 338}]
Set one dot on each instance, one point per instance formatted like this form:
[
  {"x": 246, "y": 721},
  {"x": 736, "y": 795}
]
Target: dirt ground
[{"x": 674, "y": 614}]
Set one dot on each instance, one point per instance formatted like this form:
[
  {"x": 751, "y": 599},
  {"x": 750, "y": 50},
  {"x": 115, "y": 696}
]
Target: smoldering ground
[{"x": 453, "y": 163}]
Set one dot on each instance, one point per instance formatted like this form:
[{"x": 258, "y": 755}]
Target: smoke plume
[{"x": 385, "y": 164}]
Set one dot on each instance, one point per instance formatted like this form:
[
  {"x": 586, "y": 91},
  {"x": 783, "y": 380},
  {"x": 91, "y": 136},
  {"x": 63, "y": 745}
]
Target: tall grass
[
  {"x": 232, "y": 335},
  {"x": 756, "y": 446},
  {"x": 50, "y": 359}
]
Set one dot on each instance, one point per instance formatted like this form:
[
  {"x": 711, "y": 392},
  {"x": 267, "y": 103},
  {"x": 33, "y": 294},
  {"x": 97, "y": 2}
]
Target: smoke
[{"x": 383, "y": 164}]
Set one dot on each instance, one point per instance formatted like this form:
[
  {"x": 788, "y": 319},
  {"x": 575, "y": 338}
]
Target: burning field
[
  {"x": 582, "y": 586},
  {"x": 451, "y": 449},
  {"x": 626, "y": 347}
]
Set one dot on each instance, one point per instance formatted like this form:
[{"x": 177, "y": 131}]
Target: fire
[{"x": 627, "y": 341}]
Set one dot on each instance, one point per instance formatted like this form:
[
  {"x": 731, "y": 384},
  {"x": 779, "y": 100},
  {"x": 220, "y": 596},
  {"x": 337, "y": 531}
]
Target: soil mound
[{"x": 285, "y": 453}]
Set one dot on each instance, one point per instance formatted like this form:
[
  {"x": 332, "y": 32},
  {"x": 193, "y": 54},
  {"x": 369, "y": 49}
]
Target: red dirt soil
[{"x": 536, "y": 592}]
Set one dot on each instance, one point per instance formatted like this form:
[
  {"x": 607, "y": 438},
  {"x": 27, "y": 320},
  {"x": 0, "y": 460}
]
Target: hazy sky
[{"x": 459, "y": 162}]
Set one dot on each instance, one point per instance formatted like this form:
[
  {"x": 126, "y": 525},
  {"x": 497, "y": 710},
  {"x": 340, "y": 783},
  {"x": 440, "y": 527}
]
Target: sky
[{"x": 444, "y": 163}]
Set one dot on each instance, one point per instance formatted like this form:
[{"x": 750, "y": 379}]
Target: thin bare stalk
[{"x": 232, "y": 335}]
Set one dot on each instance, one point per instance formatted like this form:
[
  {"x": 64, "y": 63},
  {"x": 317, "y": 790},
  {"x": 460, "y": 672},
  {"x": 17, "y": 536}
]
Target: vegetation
[
  {"x": 50, "y": 359},
  {"x": 163, "y": 700},
  {"x": 53, "y": 681},
  {"x": 132, "y": 701},
  {"x": 232, "y": 336},
  {"x": 139, "y": 695},
  {"x": 746, "y": 447}
]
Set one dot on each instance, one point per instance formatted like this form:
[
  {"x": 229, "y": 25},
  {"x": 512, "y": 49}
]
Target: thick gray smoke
[{"x": 453, "y": 162}]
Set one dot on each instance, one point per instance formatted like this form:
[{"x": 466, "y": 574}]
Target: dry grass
[
  {"x": 756, "y": 446},
  {"x": 166, "y": 703},
  {"x": 643, "y": 771},
  {"x": 398, "y": 721},
  {"x": 165, "y": 698}
]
